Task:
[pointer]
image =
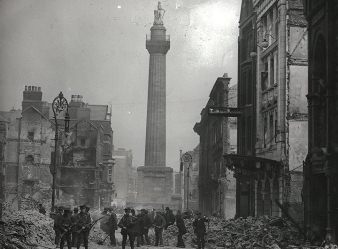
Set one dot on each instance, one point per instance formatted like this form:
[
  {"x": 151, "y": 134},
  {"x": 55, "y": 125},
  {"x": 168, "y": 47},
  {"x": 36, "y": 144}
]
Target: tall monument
[{"x": 155, "y": 180}]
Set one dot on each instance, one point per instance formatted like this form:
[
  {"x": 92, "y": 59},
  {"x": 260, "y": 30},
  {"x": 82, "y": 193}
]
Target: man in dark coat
[
  {"x": 126, "y": 224},
  {"x": 83, "y": 226},
  {"x": 112, "y": 226},
  {"x": 65, "y": 226},
  {"x": 169, "y": 217},
  {"x": 138, "y": 229},
  {"x": 146, "y": 225},
  {"x": 57, "y": 218},
  {"x": 200, "y": 229},
  {"x": 159, "y": 224},
  {"x": 74, "y": 220},
  {"x": 181, "y": 229}
]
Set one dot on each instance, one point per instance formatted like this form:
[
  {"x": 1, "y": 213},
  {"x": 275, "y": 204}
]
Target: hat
[
  {"x": 167, "y": 208},
  {"x": 66, "y": 209},
  {"x": 83, "y": 207}
]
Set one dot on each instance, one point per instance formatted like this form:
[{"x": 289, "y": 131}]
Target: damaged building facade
[
  {"x": 30, "y": 144},
  {"x": 86, "y": 170},
  {"x": 272, "y": 93},
  {"x": 320, "y": 169},
  {"x": 216, "y": 182}
]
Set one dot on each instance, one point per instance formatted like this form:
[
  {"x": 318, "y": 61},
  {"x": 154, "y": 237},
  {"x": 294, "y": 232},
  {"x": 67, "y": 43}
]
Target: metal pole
[
  {"x": 19, "y": 166},
  {"x": 56, "y": 137},
  {"x": 188, "y": 176},
  {"x": 59, "y": 105}
]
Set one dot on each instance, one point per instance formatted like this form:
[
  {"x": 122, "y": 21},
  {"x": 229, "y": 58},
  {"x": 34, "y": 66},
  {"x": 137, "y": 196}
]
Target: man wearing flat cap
[
  {"x": 57, "y": 218},
  {"x": 65, "y": 228},
  {"x": 126, "y": 224},
  {"x": 200, "y": 229},
  {"x": 83, "y": 227},
  {"x": 74, "y": 220}
]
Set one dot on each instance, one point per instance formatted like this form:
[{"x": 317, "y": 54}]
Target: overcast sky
[{"x": 96, "y": 48}]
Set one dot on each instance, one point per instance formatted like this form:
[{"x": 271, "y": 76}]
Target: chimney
[{"x": 32, "y": 96}]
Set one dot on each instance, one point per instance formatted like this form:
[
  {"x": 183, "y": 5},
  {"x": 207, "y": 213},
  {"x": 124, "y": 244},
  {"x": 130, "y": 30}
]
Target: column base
[{"x": 154, "y": 186}]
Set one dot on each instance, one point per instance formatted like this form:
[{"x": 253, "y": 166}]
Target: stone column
[{"x": 157, "y": 46}]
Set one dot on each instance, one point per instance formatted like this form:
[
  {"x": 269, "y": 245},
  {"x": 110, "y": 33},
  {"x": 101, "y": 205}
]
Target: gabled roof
[
  {"x": 84, "y": 120},
  {"x": 36, "y": 110}
]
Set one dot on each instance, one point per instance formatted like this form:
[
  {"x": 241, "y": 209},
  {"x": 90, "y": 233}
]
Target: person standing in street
[
  {"x": 112, "y": 226},
  {"x": 159, "y": 224},
  {"x": 83, "y": 227},
  {"x": 146, "y": 226},
  {"x": 57, "y": 219},
  {"x": 126, "y": 223},
  {"x": 65, "y": 227},
  {"x": 74, "y": 220},
  {"x": 169, "y": 217},
  {"x": 181, "y": 229},
  {"x": 138, "y": 229},
  {"x": 200, "y": 229}
]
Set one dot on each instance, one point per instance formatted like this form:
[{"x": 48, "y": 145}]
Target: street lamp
[
  {"x": 59, "y": 105},
  {"x": 187, "y": 158}
]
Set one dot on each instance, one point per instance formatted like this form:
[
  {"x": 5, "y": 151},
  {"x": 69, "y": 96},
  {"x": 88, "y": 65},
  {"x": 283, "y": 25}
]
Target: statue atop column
[{"x": 159, "y": 14}]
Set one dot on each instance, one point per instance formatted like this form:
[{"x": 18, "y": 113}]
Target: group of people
[
  {"x": 74, "y": 228},
  {"x": 136, "y": 226}
]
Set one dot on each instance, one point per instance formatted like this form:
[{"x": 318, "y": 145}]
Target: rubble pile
[
  {"x": 26, "y": 229},
  {"x": 262, "y": 232},
  {"x": 97, "y": 235}
]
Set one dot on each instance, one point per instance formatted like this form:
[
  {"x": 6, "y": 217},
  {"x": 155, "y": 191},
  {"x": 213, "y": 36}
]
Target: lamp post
[
  {"x": 59, "y": 105},
  {"x": 187, "y": 158}
]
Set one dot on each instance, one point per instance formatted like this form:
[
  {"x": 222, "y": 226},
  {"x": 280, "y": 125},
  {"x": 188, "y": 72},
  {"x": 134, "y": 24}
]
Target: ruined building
[
  {"x": 216, "y": 182},
  {"x": 29, "y": 145},
  {"x": 83, "y": 164},
  {"x": 320, "y": 169},
  {"x": 86, "y": 168},
  {"x": 272, "y": 95},
  {"x": 3, "y": 137}
]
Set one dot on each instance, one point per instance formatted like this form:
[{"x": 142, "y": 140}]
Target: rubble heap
[
  {"x": 26, "y": 229},
  {"x": 261, "y": 232}
]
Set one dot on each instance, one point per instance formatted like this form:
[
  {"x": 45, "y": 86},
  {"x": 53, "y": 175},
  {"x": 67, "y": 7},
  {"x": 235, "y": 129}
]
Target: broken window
[
  {"x": 272, "y": 70},
  {"x": 264, "y": 76},
  {"x": 29, "y": 159},
  {"x": 30, "y": 135},
  {"x": 83, "y": 141},
  {"x": 265, "y": 131},
  {"x": 271, "y": 129}
]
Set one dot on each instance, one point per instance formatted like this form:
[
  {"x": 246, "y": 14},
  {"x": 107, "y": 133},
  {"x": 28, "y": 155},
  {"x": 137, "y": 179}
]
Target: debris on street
[
  {"x": 26, "y": 229},
  {"x": 262, "y": 232}
]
